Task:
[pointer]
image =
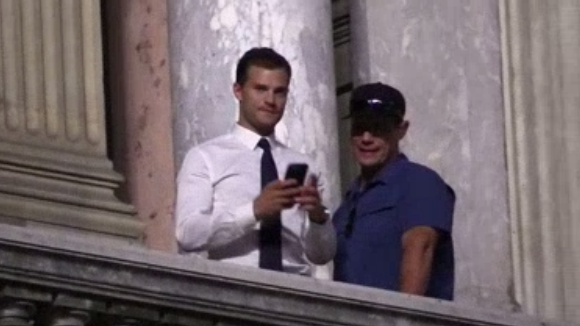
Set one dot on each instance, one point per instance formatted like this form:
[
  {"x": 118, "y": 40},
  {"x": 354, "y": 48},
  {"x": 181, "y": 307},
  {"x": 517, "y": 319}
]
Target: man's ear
[
  {"x": 402, "y": 130},
  {"x": 237, "y": 89}
]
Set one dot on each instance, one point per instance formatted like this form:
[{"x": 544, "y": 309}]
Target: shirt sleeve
[
  {"x": 199, "y": 227},
  {"x": 427, "y": 201},
  {"x": 320, "y": 242},
  {"x": 320, "y": 239}
]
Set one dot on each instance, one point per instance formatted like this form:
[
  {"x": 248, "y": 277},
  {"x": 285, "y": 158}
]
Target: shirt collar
[
  {"x": 388, "y": 172},
  {"x": 392, "y": 169},
  {"x": 249, "y": 138}
]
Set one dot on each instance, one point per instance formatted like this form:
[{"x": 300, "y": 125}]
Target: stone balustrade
[{"x": 49, "y": 279}]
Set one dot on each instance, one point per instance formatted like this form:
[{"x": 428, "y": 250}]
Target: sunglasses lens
[{"x": 377, "y": 126}]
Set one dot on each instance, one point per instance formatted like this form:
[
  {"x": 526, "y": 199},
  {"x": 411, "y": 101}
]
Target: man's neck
[{"x": 261, "y": 133}]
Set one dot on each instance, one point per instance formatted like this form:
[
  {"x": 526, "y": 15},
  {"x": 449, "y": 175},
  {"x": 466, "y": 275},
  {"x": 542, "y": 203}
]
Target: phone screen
[{"x": 297, "y": 171}]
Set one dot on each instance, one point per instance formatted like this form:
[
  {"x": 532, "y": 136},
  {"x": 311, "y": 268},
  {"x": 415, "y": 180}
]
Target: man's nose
[
  {"x": 270, "y": 97},
  {"x": 367, "y": 136}
]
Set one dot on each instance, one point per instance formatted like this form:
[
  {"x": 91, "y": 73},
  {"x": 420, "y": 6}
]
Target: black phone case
[{"x": 297, "y": 171}]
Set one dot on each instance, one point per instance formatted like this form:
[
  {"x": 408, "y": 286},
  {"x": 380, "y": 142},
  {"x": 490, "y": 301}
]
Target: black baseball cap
[{"x": 377, "y": 98}]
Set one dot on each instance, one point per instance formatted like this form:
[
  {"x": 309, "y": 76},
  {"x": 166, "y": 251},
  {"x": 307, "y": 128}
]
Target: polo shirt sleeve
[{"x": 427, "y": 201}]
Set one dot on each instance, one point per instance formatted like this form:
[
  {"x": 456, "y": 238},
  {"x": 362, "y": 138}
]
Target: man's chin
[
  {"x": 266, "y": 128},
  {"x": 267, "y": 116},
  {"x": 367, "y": 162},
  {"x": 366, "y": 157}
]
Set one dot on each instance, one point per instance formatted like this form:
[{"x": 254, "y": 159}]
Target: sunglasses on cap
[{"x": 375, "y": 105}]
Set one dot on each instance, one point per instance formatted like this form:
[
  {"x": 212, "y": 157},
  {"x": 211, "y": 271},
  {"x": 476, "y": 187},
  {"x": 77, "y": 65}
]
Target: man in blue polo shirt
[{"x": 394, "y": 225}]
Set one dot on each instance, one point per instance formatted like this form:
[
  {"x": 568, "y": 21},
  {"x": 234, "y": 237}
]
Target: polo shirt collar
[
  {"x": 386, "y": 174},
  {"x": 392, "y": 169}
]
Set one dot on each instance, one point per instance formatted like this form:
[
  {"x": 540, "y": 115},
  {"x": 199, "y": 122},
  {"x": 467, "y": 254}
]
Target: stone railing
[{"x": 58, "y": 279}]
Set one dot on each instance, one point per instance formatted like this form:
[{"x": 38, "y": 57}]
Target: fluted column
[
  {"x": 207, "y": 39},
  {"x": 445, "y": 57},
  {"x": 54, "y": 168},
  {"x": 542, "y": 78}
]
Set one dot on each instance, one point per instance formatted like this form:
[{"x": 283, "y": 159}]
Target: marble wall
[{"x": 446, "y": 58}]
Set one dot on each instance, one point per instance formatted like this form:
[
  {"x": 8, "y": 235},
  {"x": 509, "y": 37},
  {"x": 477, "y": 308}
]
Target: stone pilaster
[
  {"x": 207, "y": 39},
  {"x": 445, "y": 58},
  {"x": 54, "y": 168},
  {"x": 542, "y": 79},
  {"x": 139, "y": 90},
  {"x": 341, "y": 23}
]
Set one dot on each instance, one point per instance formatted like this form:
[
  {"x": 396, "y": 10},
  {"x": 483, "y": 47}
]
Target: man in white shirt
[{"x": 223, "y": 209}]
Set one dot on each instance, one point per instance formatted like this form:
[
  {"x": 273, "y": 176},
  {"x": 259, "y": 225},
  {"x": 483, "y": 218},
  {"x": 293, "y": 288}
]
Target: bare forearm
[
  {"x": 416, "y": 269},
  {"x": 418, "y": 249}
]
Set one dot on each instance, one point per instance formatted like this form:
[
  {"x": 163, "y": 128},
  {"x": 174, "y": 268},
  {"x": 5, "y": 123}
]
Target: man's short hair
[{"x": 260, "y": 57}]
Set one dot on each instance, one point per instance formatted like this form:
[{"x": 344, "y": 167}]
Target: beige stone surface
[
  {"x": 139, "y": 85},
  {"x": 542, "y": 80}
]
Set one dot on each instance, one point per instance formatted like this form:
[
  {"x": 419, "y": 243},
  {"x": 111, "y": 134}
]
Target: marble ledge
[{"x": 139, "y": 276}]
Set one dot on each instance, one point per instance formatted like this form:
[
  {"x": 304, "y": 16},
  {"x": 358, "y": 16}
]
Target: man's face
[
  {"x": 262, "y": 99},
  {"x": 375, "y": 142}
]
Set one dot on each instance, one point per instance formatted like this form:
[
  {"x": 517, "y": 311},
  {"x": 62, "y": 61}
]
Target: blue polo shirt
[{"x": 370, "y": 224}]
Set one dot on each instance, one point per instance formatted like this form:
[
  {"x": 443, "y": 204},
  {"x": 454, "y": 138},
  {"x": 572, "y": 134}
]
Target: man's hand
[
  {"x": 309, "y": 200},
  {"x": 275, "y": 197}
]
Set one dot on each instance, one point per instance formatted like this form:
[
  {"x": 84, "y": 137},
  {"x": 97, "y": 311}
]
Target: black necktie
[{"x": 270, "y": 227}]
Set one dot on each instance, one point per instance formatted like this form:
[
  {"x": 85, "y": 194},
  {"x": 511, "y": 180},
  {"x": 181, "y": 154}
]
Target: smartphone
[{"x": 297, "y": 171}]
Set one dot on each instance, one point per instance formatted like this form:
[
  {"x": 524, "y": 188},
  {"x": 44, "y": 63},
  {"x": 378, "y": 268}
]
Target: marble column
[
  {"x": 542, "y": 78},
  {"x": 341, "y": 21},
  {"x": 445, "y": 57},
  {"x": 54, "y": 168},
  {"x": 207, "y": 39},
  {"x": 139, "y": 90}
]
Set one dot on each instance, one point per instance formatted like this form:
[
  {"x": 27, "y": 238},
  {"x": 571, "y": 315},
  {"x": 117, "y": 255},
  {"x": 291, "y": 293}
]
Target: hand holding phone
[
  {"x": 309, "y": 197},
  {"x": 277, "y": 196}
]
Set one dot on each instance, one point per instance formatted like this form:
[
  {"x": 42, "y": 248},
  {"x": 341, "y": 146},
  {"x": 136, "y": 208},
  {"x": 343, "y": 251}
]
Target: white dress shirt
[{"x": 216, "y": 188}]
